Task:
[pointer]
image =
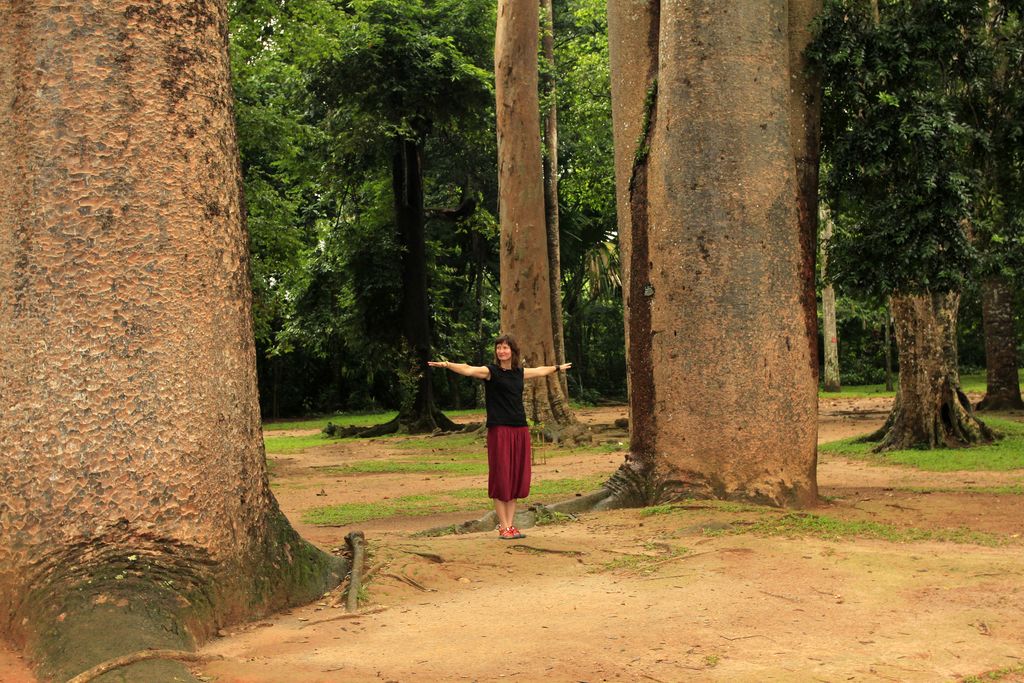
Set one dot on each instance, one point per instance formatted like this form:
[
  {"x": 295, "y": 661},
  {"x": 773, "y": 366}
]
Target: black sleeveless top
[{"x": 503, "y": 393}]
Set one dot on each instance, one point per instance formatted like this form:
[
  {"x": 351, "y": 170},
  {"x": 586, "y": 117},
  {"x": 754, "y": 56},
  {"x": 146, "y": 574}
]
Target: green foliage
[
  {"x": 897, "y": 178},
  {"x": 404, "y": 68},
  {"x": 591, "y": 269},
  {"x": 1005, "y": 454}
]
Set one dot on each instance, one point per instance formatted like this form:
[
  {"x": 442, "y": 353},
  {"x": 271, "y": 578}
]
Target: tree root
[
  {"x": 140, "y": 656},
  {"x": 357, "y": 543},
  {"x": 346, "y": 615}
]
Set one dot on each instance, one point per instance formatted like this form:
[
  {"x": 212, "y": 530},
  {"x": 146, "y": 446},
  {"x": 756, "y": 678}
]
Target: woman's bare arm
[
  {"x": 544, "y": 370},
  {"x": 476, "y": 371}
]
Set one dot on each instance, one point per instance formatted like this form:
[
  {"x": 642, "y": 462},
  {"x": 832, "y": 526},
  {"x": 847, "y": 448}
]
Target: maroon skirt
[{"x": 508, "y": 462}]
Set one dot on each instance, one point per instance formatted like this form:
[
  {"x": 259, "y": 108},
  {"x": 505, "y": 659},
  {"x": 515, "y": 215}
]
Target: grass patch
[
  {"x": 434, "y": 443},
  {"x": 973, "y": 383},
  {"x": 1005, "y": 490},
  {"x": 364, "y": 419},
  {"x": 617, "y": 447},
  {"x": 688, "y": 504},
  {"x": 995, "y": 674},
  {"x": 417, "y": 466},
  {"x": 428, "y": 504},
  {"x": 356, "y": 419},
  {"x": 406, "y": 506},
  {"x": 282, "y": 445},
  {"x": 1005, "y": 454},
  {"x": 832, "y": 529},
  {"x": 640, "y": 564}
]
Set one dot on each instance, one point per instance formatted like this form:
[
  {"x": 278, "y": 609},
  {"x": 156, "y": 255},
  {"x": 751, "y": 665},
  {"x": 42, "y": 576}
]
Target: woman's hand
[
  {"x": 438, "y": 364},
  {"x": 564, "y": 366}
]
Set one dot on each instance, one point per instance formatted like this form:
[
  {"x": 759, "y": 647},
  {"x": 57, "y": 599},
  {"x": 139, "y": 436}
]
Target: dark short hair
[{"x": 512, "y": 344}]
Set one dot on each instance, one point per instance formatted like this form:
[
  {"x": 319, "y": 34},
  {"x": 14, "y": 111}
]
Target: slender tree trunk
[
  {"x": 828, "y": 309},
  {"x": 407, "y": 184},
  {"x": 888, "y": 346},
  {"x": 930, "y": 409},
  {"x": 478, "y": 254},
  {"x": 1001, "y": 371},
  {"x": 550, "y": 168},
  {"x": 723, "y": 388},
  {"x": 525, "y": 286},
  {"x": 135, "y": 509}
]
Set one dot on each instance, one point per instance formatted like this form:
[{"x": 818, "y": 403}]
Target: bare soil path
[{"x": 693, "y": 595}]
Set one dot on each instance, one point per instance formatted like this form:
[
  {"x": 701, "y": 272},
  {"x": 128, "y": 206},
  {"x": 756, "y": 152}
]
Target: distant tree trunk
[
  {"x": 723, "y": 386},
  {"x": 828, "y": 309},
  {"x": 551, "y": 191},
  {"x": 525, "y": 286},
  {"x": 805, "y": 138},
  {"x": 135, "y": 510},
  {"x": 930, "y": 409},
  {"x": 482, "y": 344},
  {"x": 888, "y": 346},
  {"x": 407, "y": 184},
  {"x": 1001, "y": 372}
]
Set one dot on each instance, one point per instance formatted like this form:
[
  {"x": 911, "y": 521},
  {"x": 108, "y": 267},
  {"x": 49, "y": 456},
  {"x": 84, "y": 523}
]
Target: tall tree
[
  {"x": 426, "y": 79},
  {"x": 525, "y": 285},
  {"x": 831, "y": 381},
  {"x": 994, "y": 106},
  {"x": 1001, "y": 359},
  {"x": 899, "y": 189},
  {"x": 550, "y": 166},
  {"x": 135, "y": 509},
  {"x": 722, "y": 383}
]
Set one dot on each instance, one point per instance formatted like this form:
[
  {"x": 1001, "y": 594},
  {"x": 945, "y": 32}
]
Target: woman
[{"x": 508, "y": 435}]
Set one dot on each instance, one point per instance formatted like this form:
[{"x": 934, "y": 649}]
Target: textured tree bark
[
  {"x": 633, "y": 27},
  {"x": 1001, "y": 372},
  {"x": 832, "y": 381},
  {"x": 135, "y": 509},
  {"x": 887, "y": 340},
  {"x": 551, "y": 192},
  {"x": 725, "y": 402},
  {"x": 930, "y": 409},
  {"x": 805, "y": 138},
  {"x": 525, "y": 287}
]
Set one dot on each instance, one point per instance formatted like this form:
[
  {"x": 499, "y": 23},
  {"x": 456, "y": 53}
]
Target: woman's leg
[{"x": 500, "y": 509}]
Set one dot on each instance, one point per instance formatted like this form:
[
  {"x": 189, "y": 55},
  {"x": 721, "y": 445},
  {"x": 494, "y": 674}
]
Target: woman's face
[{"x": 503, "y": 351}]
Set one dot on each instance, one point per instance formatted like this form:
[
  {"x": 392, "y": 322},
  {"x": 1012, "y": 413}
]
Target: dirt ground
[{"x": 619, "y": 596}]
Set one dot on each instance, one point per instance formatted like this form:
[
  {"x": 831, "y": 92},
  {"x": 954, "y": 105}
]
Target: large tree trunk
[
  {"x": 930, "y": 409},
  {"x": 722, "y": 381},
  {"x": 1001, "y": 372},
  {"x": 525, "y": 286},
  {"x": 633, "y": 55},
  {"x": 828, "y": 313},
  {"x": 550, "y": 117},
  {"x": 135, "y": 509},
  {"x": 422, "y": 415},
  {"x": 805, "y": 138}
]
